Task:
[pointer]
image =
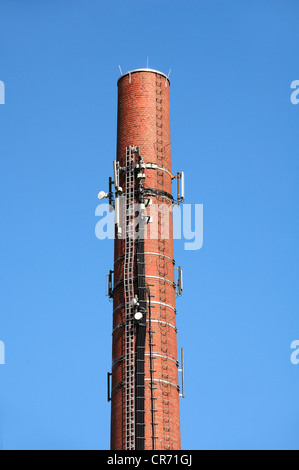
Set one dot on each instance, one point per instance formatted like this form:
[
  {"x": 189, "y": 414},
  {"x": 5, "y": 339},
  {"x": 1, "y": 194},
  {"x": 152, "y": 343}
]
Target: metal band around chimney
[
  {"x": 152, "y": 302},
  {"x": 156, "y": 356},
  {"x": 121, "y": 325},
  {"x": 121, "y": 282},
  {"x": 148, "y": 253}
]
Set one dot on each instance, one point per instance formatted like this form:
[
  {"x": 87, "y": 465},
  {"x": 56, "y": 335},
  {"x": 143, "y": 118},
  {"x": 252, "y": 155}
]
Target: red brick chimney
[{"x": 144, "y": 389}]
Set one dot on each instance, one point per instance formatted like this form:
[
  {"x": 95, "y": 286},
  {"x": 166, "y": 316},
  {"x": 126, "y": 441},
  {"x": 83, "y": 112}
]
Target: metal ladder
[
  {"x": 164, "y": 330},
  {"x": 129, "y": 309},
  {"x": 159, "y": 118},
  {"x": 162, "y": 267}
]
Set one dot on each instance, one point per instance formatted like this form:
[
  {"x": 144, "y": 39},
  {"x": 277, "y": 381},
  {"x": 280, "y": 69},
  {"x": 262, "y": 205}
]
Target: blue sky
[{"x": 234, "y": 133}]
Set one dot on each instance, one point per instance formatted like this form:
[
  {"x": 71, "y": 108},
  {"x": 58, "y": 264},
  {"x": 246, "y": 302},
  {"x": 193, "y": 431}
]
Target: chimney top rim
[{"x": 143, "y": 70}]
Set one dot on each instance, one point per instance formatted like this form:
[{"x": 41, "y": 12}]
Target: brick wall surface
[{"x": 144, "y": 121}]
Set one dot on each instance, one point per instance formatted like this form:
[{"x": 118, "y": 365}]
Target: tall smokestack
[{"x": 144, "y": 389}]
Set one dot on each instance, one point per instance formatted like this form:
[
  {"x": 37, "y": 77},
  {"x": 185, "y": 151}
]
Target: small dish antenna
[
  {"x": 102, "y": 195},
  {"x": 138, "y": 316}
]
